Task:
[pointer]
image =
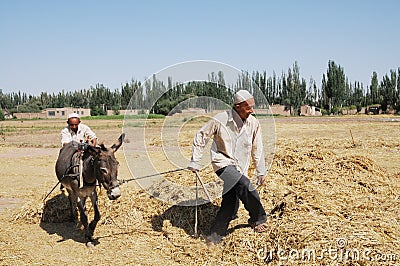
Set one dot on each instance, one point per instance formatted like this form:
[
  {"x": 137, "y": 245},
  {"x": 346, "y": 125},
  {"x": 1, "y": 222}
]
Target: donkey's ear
[
  {"x": 94, "y": 151},
  {"x": 118, "y": 144}
]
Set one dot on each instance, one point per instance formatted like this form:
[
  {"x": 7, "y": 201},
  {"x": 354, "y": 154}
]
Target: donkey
[{"x": 98, "y": 165}]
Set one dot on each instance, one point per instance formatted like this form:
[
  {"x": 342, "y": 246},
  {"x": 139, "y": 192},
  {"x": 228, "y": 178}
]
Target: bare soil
[{"x": 332, "y": 178}]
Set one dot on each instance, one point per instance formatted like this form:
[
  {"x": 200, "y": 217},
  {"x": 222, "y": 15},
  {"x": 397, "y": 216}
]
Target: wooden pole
[
  {"x": 195, "y": 214},
  {"x": 204, "y": 187},
  {"x": 198, "y": 178},
  {"x": 354, "y": 144}
]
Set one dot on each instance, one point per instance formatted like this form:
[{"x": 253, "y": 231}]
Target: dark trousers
[{"x": 237, "y": 187}]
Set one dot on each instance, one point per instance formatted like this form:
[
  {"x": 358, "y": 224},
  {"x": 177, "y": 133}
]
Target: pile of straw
[
  {"x": 56, "y": 209},
  {"x": 316, "y": 199}
]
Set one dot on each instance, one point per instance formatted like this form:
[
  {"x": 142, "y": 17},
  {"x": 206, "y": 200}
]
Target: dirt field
[{"x": 333, "y": 189}]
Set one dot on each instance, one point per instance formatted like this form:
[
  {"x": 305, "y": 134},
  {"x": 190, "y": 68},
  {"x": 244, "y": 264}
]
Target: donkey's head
[{"x": 106, "y": 167}]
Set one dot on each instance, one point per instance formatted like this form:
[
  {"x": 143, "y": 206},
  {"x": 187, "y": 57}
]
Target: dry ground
[{"x": 324, "y": 191}]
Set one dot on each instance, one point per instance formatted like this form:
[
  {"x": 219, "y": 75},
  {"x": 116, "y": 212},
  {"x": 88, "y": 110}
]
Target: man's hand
[
  {"x": 93, "y": 142},
  {"x": 260, "y": 180},
  {"x": 194, "y": 170}
]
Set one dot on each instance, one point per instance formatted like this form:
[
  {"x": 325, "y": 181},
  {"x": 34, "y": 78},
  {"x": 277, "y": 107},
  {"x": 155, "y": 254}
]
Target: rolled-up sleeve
[
  {"x": 200, "y": 141},
  {"x": 88, "y": 133},
  {"x": 258, "y": 152},
  {"x": 65, "y": 136}
]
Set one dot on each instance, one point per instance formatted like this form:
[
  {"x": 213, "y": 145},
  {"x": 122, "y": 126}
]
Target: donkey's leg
[
  {"x": 96, "y": 218},
  {"x": 72, "y": 201},
  {"x": 83, "y": 214}
]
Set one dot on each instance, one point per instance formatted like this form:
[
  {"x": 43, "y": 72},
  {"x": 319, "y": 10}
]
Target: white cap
[
  {"x": 242, "y": 96},
  {"x": 73, "y": 115}
]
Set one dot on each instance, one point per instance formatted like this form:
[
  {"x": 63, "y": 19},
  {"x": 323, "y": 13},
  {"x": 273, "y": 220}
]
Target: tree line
[{"x": 289, "y": 88}]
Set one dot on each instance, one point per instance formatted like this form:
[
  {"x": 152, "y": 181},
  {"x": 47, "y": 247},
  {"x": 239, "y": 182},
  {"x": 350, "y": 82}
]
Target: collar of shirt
[{"x": 231, "y": 118}]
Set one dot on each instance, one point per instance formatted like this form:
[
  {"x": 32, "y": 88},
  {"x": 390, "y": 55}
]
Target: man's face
[
  {"x": 73, "y": 124},
  {"x": 246, "y": 108}
]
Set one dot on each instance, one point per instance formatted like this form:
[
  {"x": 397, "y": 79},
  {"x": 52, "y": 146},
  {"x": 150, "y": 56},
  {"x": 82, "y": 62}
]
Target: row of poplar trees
[{"x": 289, "y": 88}]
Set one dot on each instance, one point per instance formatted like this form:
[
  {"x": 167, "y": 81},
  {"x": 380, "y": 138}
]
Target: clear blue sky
[{"x": 71, "y": 45}]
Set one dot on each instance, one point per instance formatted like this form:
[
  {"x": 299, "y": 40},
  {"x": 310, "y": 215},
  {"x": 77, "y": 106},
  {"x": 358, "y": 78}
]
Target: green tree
[
  {"x": 333, "y": 88},
  {"x": 358, "y": 96},
  {"x": 293, "y": 89},
  {"x": 374, "y": 90},
  {"x": 397, "y": 104},
  {"x": 1, "y": 115},
  {"x": 313, "y": 94},
  {"x": 388, "y": 91}
]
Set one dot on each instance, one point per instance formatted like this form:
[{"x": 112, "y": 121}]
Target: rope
[
  {"x": 122, "y": 181},
  {"x": 59, "y": 181}
]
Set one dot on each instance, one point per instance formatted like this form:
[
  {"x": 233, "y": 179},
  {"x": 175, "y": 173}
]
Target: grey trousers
[{"x": 237, "y": 187}]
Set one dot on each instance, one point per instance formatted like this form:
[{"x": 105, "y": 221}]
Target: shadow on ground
[
  {"x": 184, "y": 217},
  {"x": 57, "y": 219},
  {"x": 65, "y": 230}
]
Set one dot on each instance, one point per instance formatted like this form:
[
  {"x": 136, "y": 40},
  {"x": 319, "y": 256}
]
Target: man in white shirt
[
  {"x": 76, "y": 131},
  {"x": 236, "y": 139}
]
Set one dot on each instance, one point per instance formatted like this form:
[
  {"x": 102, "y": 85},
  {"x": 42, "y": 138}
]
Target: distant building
[
  {"x": 287, "y": 110},
  {"x": 54, "y": 113},
  {"x": 308, "y": 110},
  {"x": 41, "y": 115},
  {"x": 373, "y": 110},
  {"x": 64, "y": 112},
  {"x": 278, "y": 109},
  {"x": 349, "y": 111}
]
